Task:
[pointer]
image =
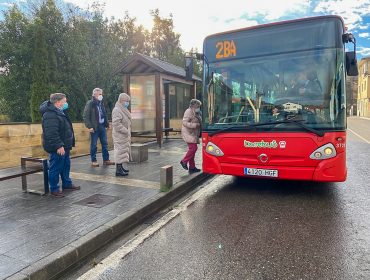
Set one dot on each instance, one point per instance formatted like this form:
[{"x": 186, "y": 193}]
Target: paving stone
[
  {"x": 9, "y": 266},
  {"x": 34, "y": 227}
]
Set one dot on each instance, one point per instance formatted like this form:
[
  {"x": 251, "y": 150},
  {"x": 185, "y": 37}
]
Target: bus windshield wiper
[
  {"x": 232, "y": 127},
  {"x": 297, "y": 122}
]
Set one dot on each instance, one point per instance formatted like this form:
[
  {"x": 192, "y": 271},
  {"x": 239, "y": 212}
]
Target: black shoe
[
  {"x": 126, "y": 170},
  {"x": 184, "y": 165},
  {"x": 120, "y": 171},
  {"x": 193, "y": 170}
]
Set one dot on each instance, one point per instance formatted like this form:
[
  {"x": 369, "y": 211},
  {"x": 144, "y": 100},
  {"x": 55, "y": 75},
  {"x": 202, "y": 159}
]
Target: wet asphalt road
[{"x": 266, "y": 229}]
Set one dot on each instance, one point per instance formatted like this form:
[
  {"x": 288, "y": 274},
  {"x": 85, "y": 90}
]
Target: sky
[{"x": 196, "y": 19}]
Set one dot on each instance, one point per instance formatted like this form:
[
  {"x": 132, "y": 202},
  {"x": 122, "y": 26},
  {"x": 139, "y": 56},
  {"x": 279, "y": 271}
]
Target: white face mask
[
  {"x": 197, "y": 110},
  {"x": 100, "y": 97}
]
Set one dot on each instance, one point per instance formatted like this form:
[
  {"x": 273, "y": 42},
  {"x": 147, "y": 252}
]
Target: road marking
[
  {"x": 113, "y": 260},
  {"x": 359, "y": 136},
  {"x": 115, "y": 180}
]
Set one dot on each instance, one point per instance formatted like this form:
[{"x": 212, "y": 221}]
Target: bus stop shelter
[{"x": 159, "y": 94}]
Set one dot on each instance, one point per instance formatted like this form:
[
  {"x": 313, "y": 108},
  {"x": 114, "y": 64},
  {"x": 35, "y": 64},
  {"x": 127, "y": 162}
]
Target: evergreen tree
[
  {"x": 61, "y": 48},
  {"x": 40, "y": 87},
  {"x": 15, "y": 57},
  {"x": 47, "y": 55},
  {"x": 164, "y": 42}
]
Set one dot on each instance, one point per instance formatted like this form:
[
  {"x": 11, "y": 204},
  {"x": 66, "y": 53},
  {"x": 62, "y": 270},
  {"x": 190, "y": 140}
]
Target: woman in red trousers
[{"x": 190, "y": 130}]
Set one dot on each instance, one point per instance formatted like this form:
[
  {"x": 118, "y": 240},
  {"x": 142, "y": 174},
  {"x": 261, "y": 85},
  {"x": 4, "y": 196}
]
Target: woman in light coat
[
  {"x": 121, "y": 123},
  {"x": 190, "y": 130}
]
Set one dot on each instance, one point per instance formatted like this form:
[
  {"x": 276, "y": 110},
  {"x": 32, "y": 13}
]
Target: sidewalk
[{"x": 42, "y": 236}]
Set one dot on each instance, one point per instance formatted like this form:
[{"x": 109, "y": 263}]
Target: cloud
[
  {"x": 363, "y": 51},
  {"x": 8, "y": 5},
  {"x": 364, "y": 35},
  {"x": 364, "y": 27},
  {"x": 263, "y": 10},
  {"x": 195, "y": 19},
  {"x": 351, "y": 11}
]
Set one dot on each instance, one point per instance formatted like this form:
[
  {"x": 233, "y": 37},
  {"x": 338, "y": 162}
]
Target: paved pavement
[
  {"x": 260, "y": 229},
  {"x": 360, "y": 127},
  {"x": 41, "y": 236}
]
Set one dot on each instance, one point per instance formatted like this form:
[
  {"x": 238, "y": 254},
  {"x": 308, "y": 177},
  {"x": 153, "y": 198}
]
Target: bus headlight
[
  {"x": 324, "y": 152},
  {"x": 318, "y": 155},
  {"x": 212, "y": 149},
  {"x": 328, "y": 151}
]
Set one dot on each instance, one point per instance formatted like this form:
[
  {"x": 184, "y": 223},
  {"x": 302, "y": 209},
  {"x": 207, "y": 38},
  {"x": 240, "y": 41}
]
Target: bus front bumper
[{"x": 329, "y": 170}]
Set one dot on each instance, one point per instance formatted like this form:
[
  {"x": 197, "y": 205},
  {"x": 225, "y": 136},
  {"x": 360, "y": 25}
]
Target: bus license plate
[{"x": 260, "y": 172}]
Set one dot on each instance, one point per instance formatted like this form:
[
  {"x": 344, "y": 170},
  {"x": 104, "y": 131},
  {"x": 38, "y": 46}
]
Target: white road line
[
  {"x": 359, "y": 136},
  {"x": 116, "y": 257}
]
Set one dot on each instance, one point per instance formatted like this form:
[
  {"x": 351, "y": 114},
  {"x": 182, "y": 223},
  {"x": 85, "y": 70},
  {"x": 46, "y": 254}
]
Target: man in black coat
[{"x": 58, "y": 140}]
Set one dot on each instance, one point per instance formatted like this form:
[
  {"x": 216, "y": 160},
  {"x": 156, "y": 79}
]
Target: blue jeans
[
  {"x": 59, "y": 165},
  {"x": 102, "y": 135}
]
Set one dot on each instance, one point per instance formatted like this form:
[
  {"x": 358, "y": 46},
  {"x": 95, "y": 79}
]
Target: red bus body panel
[{"x": 291, "y": 157}]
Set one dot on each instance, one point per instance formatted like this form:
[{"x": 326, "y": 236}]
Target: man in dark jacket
[
  {"x": 96, "y": 120},
  {"x": 58, "y": 140}
]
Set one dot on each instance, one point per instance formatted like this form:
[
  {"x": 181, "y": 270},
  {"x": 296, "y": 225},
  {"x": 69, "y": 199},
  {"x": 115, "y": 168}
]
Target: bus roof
[{"x": 274, "y": 24}]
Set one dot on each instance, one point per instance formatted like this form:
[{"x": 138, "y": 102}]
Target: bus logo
[
  {"x": 282, "y": 144},
  {"x": 263, "y": 158},
  {"x": 262, "y": 144},
  {"x": 225, "y": 49}
]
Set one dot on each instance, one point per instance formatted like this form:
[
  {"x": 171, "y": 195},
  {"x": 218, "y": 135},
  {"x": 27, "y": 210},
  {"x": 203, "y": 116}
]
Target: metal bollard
[{"x": 166, "y": 178}]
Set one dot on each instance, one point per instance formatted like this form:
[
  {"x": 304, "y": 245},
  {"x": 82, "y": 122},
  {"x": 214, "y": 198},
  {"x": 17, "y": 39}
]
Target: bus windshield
[{"x": 276, "y": 83}]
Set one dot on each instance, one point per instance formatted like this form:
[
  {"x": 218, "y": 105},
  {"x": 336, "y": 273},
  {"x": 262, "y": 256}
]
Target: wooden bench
[
  {"x": 167, "y": 130},
  {"x": 145, "y": 133},
  {"x": 25, "y": 170}
]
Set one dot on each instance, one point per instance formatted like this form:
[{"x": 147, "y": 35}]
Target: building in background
[
  {"x": 351, "y": 94},
  {"x": 363, "y": 95}
]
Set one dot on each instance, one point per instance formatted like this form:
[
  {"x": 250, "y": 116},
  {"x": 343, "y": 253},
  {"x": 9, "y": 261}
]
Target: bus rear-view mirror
[
  {"x": 189, "y": 68},
  {"x": 351, "y": 64}
]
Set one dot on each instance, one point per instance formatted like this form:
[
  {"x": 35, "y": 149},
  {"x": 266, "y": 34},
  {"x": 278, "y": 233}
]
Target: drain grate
[{"x": 97, "y": 200}]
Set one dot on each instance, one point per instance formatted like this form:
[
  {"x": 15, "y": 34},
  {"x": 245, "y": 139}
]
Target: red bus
[{"x": 274, "y": 100}]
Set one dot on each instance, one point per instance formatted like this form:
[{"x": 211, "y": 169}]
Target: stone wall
[{"x": 18, "y": 140}]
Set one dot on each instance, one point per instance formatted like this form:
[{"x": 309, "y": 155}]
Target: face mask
[
  {"x": 197, "y": 110},
  {"x": 65, "y": 106},
  {"x": 126, "y": 104},
  {"x": 100, "y": 97}
]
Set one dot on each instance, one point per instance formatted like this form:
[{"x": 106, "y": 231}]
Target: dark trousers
[
  {"x": 102, "y": 135},
  {"x": 59, "y": 166},
  {"x": 189, "y": 157}
]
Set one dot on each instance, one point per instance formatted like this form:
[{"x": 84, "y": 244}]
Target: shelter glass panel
[
  {"x": 142, "y": 90},
  {"x": 179, "y": 95}
]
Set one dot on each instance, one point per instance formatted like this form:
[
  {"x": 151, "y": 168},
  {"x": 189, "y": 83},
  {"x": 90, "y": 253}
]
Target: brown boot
[
  {"x": 108, "y": 162},
  {"x": 57, "y": 194}
]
